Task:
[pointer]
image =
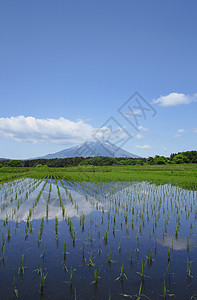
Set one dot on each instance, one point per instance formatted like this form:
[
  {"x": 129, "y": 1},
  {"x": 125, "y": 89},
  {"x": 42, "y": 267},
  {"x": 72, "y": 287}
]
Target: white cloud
[
  {"x": 141, "y": 128},
  {"x": 58, "y": 131},
  {"x": 179, "y": 133},
  {"x": 143, "y": 147},
  {"x": 175, "y": 99},
  {"x": 139, "y": 136}
]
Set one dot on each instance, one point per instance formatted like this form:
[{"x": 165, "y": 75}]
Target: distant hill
[{"x": 92, "y": 149}]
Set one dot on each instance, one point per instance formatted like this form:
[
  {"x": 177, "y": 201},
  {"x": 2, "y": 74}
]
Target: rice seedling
[
  {"x": 56, "y": 229},
  {"x": 42, "y": 279},
  {"x": 73, "y": 237},
  {"x": 149, "y": 257},
  {"x": 50, "y": 189},
  {"x": 21, "y": 269},
  {"x": 63, "y": 211},
  {"x": 99, "y": 250},
  {"x": 176, "y": 231},
  {"x": 127, "y": 229},
  {"x": 27, "y": 221},
  {"x": 71, "y": 276},
  {"x": 3, "y": 253},
  {"x": 187, "y": 244},
  {"x": 65, "y": 253},
  {"x": 47, "y": 211},
  {"x": 58, "y": 192},
  {"x": 164, "y": 289},
  {"x": 109, "y": 258},
  {"x": 9, "y": 233},
  {"x": 30, "y": 228},
  {"x": 43, "y": 255},
  {"x": 155, "y": 245},
  {"x": 189, "y": 264},
  {"x": 119, "y": 246},
  {"x": 96, "y": 277},
  {"x": 105, "y": 236},
  {"x": 15, "y": 289},
  {"x": 169, "y": 258},
  {"x": 165, "y": 294},
  {"x": 3, "y": 240},
  {"x": 122, "y": 274},
  {"x": 109, "y": 294},
  {"x": 38, "y": 270},
  {"x": 83, "y": 222},
  {"x": 142, "y": 270},
  {"x": 75, "y": 294},
  {"x": 91, "y": 237},
  {"x": 126, "y": 218},
  {"x": 132, "y": 220},
  {"x": 26, "y": 233},
  {"x": 65, "y": 248},
  {"x": 114, "y": 231},
  {"x": 90, "y": 262}
]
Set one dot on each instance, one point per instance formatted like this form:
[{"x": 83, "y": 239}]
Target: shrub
[{"x": 41, "y": 166}]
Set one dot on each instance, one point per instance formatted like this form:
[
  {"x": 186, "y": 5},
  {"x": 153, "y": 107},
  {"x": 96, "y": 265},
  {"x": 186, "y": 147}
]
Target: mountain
[{"x": 92, "y": 149}]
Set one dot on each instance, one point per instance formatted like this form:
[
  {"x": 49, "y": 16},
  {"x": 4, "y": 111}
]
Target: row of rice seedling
[{"x": 118, "y": 240}]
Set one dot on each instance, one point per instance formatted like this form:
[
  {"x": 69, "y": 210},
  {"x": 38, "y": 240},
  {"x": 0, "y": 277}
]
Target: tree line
[{"x": 175, "y": 158}]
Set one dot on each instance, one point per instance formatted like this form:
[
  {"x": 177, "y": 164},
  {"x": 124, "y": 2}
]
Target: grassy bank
[{"x": 184, "y": 175}]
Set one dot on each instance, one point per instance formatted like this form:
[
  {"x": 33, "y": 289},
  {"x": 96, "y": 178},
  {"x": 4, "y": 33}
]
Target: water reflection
[
  {"x": 176, "y": 244},
  {"x": 77, "y": 198},
  {"x": 115, "y": 224}
]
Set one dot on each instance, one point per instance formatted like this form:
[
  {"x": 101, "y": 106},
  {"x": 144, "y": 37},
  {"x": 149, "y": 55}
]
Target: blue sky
[{"x": 66, "y": 67}]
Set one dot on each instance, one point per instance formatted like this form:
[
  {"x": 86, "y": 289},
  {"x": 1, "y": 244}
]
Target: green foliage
[
  {"x": 184, "y": 157},
  {"x": 41, "y": 166},
  {"x": 160, "y": 160},
  {"x": 54, "y": 163},
  {"x": 15, "y": 163},
  {"x": 180, "y": 159},
  {"x": 99, "y": 161},
  {"x": 150, "y": 160}
]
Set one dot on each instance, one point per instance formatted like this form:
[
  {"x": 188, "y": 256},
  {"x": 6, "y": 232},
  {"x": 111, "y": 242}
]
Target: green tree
[
  {"x": 160, "y": 160},
  {"x": 180, "y": 159},
  {"x": 150, "y": 161},
  {"x": 15, "y": 163}
]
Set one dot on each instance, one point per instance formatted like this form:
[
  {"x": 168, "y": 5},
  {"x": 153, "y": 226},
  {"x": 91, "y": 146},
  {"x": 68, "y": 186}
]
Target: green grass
[
  {"x": 184, "y": 175},
  {"x": 7, "y": 173}
]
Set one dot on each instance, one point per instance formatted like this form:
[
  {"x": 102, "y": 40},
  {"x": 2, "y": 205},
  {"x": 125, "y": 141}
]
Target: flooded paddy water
[{"x": 82, "y": 240}]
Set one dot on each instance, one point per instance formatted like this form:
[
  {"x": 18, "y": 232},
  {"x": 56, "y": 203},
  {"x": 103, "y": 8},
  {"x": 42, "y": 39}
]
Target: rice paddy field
[{"x": 101, "y": 234}]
